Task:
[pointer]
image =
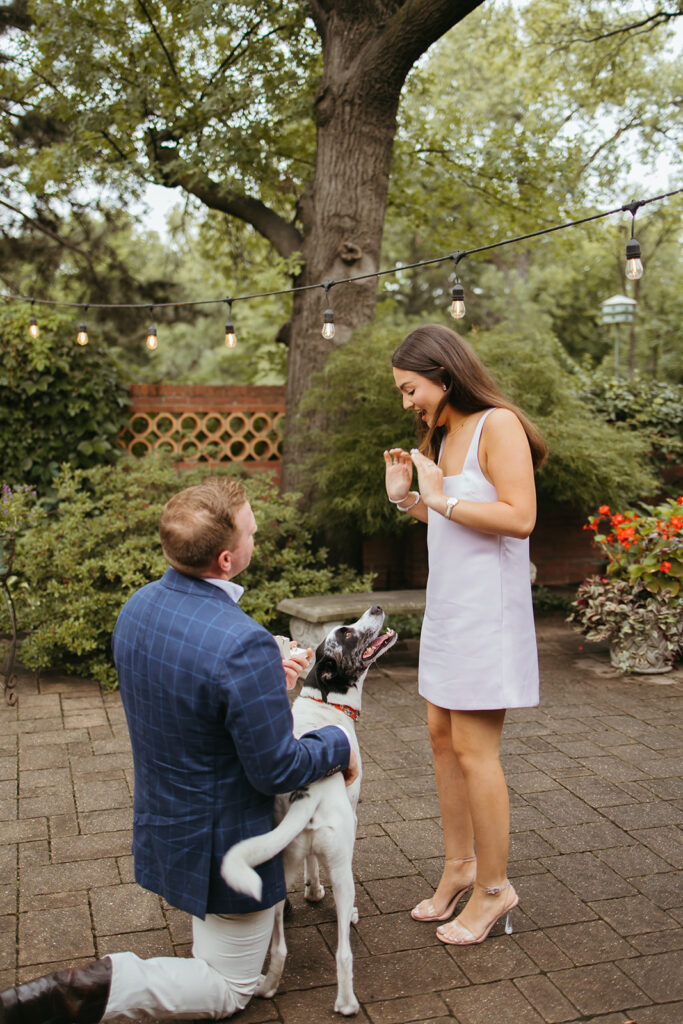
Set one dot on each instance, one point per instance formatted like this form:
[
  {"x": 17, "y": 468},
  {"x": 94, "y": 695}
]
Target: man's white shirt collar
[{"x": 233, "y": 590}]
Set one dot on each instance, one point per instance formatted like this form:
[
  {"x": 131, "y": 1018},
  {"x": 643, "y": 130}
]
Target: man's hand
[
  {"x": 295, "y": 664},
  {"x": 351, "y": 773}
]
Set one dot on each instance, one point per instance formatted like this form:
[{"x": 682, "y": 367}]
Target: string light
[
  {"x": 82, "y": 336},
  {"x": 328, "y": 316},
  {"x": 230, "y": 336},
  {"x": 634, "y": 267},
  {"x": 458, "y": 292},
  {"x": 152, "y": 340},
  {"x": 33, "y": 328},
  {"x": 634, "y": 271}
]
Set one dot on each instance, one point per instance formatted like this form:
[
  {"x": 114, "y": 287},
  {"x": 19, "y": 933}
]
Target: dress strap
[{"x": 473, "y": 450}]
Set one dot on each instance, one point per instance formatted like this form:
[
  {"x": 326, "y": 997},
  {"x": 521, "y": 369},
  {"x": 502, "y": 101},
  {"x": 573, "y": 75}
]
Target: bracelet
[
  {"x": 416, "y": 502},
  {"x": 397, "y": 501}
]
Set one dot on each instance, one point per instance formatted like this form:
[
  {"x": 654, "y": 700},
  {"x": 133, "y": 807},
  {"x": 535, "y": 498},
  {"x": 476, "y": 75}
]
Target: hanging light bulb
[
  {"x": 230, "y": 336},
  {"x": 457, "y": 309},
  {"x": 33, "y": 328},
  {"x": 634, "y": 267},
  {"x": 458, "y": 303},
  {"x": 82, "y": 336},
  {"x": 328, "y": 316},
  {"x": 152, "y": 340},
  {"x": 328, "y": 324}
]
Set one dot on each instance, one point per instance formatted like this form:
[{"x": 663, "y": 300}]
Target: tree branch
[
  {"x": 658, "y": 18},
  {"x": 46, "y": 231},
  {"x": 15, "y": 15},
  {"x": 282, "y": 235},
  {"x": 169, "y": 59},
  {"x": 408, "y": 33}
]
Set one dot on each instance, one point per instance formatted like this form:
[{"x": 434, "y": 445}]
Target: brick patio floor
[{"x": 595, "y": 786}]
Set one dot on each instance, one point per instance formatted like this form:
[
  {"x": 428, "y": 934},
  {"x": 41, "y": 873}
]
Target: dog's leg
[
  {"x": 341, "y": 879},
  {"x": 268, "y": 983},
  {"x": 313, "y": 891}
]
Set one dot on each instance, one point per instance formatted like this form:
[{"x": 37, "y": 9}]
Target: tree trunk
[
  {"x": 368, "y": 50},
  {"x": 343, "y": 217}
]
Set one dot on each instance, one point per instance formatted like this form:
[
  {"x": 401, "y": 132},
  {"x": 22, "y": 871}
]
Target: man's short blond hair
[{"x": 199, "y": 522}]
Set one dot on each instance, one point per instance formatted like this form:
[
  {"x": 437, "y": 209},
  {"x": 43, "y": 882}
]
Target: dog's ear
[{"x": 327, "y": 669}]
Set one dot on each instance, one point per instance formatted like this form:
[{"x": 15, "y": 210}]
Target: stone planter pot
[{"x": 642, "y": 655}]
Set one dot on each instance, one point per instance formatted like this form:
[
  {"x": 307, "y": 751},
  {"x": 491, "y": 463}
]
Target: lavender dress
[{"x": 478, "y": 643}]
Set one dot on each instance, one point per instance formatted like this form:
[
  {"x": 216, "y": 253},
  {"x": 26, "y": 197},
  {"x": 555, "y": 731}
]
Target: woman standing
[{"x": 475, "y": 470}]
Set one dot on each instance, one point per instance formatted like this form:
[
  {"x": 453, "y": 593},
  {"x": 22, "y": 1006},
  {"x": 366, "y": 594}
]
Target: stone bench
[{"x": 311, "y": 618}]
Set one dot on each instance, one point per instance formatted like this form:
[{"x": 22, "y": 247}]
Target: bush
[
  {"x": 101, "y": 543},
  {"x": 650, "y": 406},
  {"x": 59, "y": 402},
  {"x": 590, "y": 460}
]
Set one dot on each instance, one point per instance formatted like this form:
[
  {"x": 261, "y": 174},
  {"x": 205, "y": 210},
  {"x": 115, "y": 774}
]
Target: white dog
[{"x": 318, "y": 822}]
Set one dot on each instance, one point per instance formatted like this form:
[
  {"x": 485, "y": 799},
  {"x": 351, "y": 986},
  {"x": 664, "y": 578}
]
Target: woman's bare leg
[
  {"x": 475, "y": 738},
  {"x": 455, "y": 815}
]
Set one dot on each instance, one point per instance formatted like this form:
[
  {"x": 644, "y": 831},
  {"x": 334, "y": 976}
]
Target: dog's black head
[{"x": 347, "y": 652}]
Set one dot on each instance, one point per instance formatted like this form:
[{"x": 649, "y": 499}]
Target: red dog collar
[{"x": 351, "y": 712}]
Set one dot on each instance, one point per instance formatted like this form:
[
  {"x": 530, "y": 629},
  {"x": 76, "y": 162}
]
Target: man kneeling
[{"x": 203, "y": 688}]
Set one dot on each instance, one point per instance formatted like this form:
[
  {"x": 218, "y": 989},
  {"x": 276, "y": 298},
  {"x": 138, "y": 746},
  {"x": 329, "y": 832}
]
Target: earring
[{"x": 445, "y": 387}]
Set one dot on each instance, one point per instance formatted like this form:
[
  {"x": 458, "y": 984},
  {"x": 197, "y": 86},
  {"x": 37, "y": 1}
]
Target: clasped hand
[{"x": 399, "y": 474}]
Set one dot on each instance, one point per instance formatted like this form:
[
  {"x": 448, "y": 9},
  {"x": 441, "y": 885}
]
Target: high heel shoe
[
  {"x": 465, "y": 936},
  {"x": 429, "y": 913}
]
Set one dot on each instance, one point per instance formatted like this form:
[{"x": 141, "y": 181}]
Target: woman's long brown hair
[{"x": 442, "y": 356}]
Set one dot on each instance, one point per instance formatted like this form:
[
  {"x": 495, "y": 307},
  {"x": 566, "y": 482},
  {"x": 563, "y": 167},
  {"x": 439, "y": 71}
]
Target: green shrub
[
  {"x": 59, "y": 402},
  {"x": 590, "y": 460},
  {"x": 651, "y": 406},
  {"x": 100, "y": 544}
]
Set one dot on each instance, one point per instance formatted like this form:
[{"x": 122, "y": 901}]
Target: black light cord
[{"x": 631, "y": 208}]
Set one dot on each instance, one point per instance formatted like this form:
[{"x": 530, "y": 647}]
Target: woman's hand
[
  {"x": 398, "y": 474},
  {"x": 430, "y": 479},
  {"x": 295, "y": 664}
]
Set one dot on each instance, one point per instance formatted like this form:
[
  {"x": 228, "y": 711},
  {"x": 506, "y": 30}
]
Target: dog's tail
[{"x": 238, "y": 863}]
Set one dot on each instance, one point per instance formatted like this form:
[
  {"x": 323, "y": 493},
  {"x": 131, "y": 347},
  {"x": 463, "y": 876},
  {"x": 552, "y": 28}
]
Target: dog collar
[{"x": 351, "y": 712}]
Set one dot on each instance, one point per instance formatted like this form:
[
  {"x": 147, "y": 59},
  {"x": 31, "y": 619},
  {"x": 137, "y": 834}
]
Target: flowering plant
[
  {"x": 645, "y": 545},
  {"x": 636, "y": 605}
]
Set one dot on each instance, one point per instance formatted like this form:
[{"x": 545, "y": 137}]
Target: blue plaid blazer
[{"x": 211, "y": 729}]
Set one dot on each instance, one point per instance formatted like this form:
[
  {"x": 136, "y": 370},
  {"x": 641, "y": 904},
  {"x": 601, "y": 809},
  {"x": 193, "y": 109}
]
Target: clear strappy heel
[
  {"x": 456, "y": 934},
  {"x": 429, "y": 913}
]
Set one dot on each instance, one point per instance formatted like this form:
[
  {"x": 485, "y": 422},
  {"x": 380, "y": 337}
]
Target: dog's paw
[
  {"x": 314, "y": 893},
  {"x": 265, "y": 988},
  {"x": 354, "y": 915},
  {"x": 347, "y": 1007}
]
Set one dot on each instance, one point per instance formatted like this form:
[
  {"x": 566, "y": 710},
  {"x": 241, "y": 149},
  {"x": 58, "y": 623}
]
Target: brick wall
[{"x": 214, "y": 424}]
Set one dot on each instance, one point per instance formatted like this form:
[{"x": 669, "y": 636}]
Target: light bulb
[
  {"x": 230, "y": 336},
  {"x": 458, "y": 303},
  {"x": 634, "y": 267},
  {"x": 82, "y": 336},
  {"x": 33, "y": 327},
  {"x": 152, "y": 340},
  {"x": 328, "y": 324}
]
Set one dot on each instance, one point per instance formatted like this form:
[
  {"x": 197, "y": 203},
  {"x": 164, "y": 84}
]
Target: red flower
[
  {"x": 604, "y": 509},
  {"x": 617, "y": 519},
  {"x": 665, "y": 566},
  {"x": 679, "y": 499}
]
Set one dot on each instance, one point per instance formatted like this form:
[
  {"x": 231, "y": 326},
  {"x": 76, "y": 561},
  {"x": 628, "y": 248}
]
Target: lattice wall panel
[{"x": 204, "y": 424}]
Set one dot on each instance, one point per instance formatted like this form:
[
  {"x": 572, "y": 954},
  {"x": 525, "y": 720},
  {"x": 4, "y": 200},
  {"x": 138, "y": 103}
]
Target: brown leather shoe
[{"x": 77, "y": 995}]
